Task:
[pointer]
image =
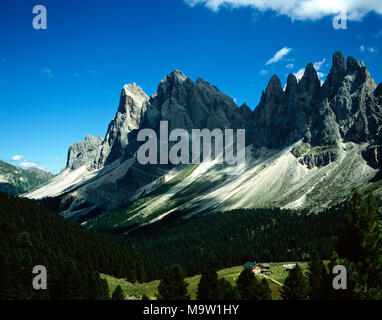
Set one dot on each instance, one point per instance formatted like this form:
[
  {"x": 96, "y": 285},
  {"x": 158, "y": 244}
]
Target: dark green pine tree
[
  {"x": 245, "y": 284},
  {"x": 265, "y": 292},
  {"x": 251, "y": 288},
  {"x": 144, "y": 297},
  {"x": 360, "y": 249},
  {"x": 5, "y": 274},
  {"x": 118, "y": 294},
  {"x": 208, "y": 286},
  {"x": 173, "y": 286},
  {"x": 295, "y": 286},
  {"x": 318, "y": 278},
  {"x": 104, "y": 290},
  {"x": 226, "y": 291},
  {"x": 97, "y": 287}
]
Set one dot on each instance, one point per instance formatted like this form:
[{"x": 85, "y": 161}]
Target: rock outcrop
[{"x": 83, "y": 152}]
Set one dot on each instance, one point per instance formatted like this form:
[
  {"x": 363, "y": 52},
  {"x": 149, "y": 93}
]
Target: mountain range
[
  {"x": 15, "y": 180},
  {"x": 309, "y": 146}
]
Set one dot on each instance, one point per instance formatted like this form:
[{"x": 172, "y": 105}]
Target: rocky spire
[
  {"x": 310, "y": 82},
  {"x": 274, "y": 87},
  {"x": 271, "y": 100},
  {"x": 291, "y": 86},
  {"x": 336, "y": 75},
  {"x": 127, "y": 119},
  {"x": 245, "y": 111}
]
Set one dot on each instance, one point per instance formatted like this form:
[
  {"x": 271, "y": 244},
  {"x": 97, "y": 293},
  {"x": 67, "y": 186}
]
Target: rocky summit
[{"x": 309, "y": 145}]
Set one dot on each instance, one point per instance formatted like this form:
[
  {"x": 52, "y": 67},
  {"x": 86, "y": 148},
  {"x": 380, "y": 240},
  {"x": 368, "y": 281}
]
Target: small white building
[{"x": 289, "y": 266}]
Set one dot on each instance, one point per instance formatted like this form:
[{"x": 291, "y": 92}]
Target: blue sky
[{"x": 59, "y": 84}]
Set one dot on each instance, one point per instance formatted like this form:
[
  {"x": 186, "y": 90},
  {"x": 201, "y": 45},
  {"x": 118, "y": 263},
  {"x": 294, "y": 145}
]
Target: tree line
[
  {"x": 227, "y": 239},
  {"x": 73, "y": 256}
]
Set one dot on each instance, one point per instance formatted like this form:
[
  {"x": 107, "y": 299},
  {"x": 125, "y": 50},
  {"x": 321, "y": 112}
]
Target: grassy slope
[
  {"x": 230, "y": 274},
  {"x": 130, "y": 214}
]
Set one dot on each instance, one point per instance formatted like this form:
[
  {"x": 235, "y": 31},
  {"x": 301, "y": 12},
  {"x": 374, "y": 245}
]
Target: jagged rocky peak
[
  {"x": 172, "y": 80},
  {"x": 310, "y": 82},
  {"x": 83, "y": 152},
  {"x": 291, "y": 86},
  {"x": 245, "y": 111},
  {"x": 271, "y": 100},
  {"x": 336, "y": 75},
  {"x": 132, "y": 99},
  {"x": 132, "y": 102},
  {"x": 188, "y": 105},
  {"x": 353, "y": 65},
  {"x": 274, "y": 87}
]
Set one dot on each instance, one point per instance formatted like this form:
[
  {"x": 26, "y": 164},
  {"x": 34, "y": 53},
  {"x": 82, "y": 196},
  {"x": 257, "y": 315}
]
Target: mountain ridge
[
  {"x": 15, "y": 180},
  {"x": 300, "y": 139}
]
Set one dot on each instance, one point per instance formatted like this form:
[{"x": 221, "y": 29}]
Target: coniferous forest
[
  {"x": 348, "y": 235},
  {"x": 231, "y": 238},
  {"x": 73, "y": 256}
]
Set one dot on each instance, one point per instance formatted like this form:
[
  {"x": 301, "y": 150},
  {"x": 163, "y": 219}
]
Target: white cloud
[
  {"x": 279, "y": 55},
  {"x": 289, "y": 66},
  {"x": 318, "y": 65},
  {"x": 371, "y": 50},
  {"x": 299, "y": 74},
  {"x": 264, "y": 72},
  {"x": 301, "y": 9},
  {"x": 17, "y": 157},
  {"x": 28, "y": 164},
  {"x": 48, "y": 72}
]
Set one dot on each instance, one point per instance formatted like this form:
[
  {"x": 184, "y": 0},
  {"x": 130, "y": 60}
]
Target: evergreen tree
[
  {"x": 118, "y": 294},
  {"x": 360, "y": 249},
  {"x": 295, "y": 286},
  {"x": 318, "y": 278},
  {"x": 144, "y": 297},
  {"x": 173, "y": 286},
  {"x": 251, "y": 288},
  {"x": 5, "y": 283},
  {"x": 265, "y": 292},
  {"x": 104, "y": 289},
  {"x": 226, "y": 291},
  {"x": 208, "y": 286}
]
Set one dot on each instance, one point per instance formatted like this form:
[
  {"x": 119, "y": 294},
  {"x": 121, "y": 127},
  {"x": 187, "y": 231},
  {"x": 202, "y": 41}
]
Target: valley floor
[{"x": 135, "y": 291}]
